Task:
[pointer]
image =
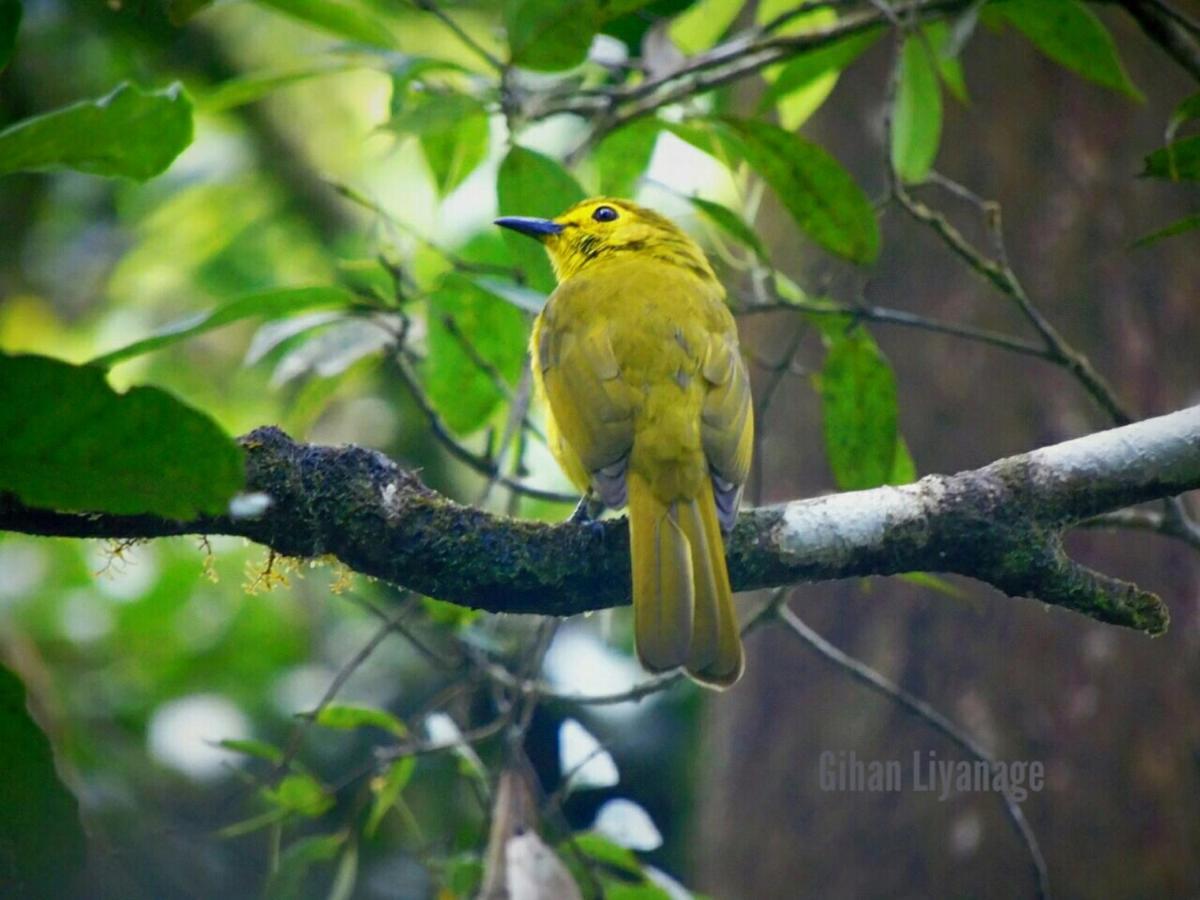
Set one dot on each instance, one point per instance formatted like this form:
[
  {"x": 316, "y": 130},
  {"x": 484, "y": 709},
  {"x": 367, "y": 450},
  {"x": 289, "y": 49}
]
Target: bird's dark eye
[{"x": 604, "y": 214}]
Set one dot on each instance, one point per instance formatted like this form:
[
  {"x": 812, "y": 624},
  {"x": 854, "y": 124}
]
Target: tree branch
[{"x": 1000, "y": 524}]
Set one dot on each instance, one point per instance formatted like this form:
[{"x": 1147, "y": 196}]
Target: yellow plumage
[{"x": 649, "y": 404}]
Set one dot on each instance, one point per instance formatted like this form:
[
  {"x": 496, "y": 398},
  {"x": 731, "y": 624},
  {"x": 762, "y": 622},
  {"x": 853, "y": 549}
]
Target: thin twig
[
  {"x": 867, "y": 676},
  {"x": 430, "y": 6},
  {"x": 887, "y": 316},
  {"x": 461, "y": 453}
]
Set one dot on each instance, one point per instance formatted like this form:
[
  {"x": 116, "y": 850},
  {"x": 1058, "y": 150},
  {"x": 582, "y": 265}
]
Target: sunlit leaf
[
  {"x": 347, "y": 717},
  {"x": 623, "y": 156},
  {"x": 464, "y": 872},
  {"x": 338, "y": 17},
  {"x": 858, "y": 404},
  {"x": 42, "y": 845},
  {"x": 800, "y": 101},
  {"x": 1071, "y": 35},
  {"x": 179, "y": 11},
  {"x": 273, "y": 304},
  {"x": 387, "y": 790},
  {"x": 917, "y": 115},
  {"x": 521, "y": 297},
  {"x": 73, "y": 443},
  {"x": 334, "y": 349},
  {"x": 346, "y": 875},
  {"x": 276, "y": 332},
  {"x": 251, "y": 747},
  {"x": 1179, "y": 161},
  {"x": 453, "y": 130},
  {"x": 703, "y": 23},
  {"x": 549, "y": 35},
  {"x": 933, "y": 582},
  {"x": 10, "y": 23},
  {"x": 130, "y": 132},
  {"x": 235, "y": 92},
  {"x": 301, "y": 794},
  {"x": 731, "y": 223},
  {"x": 1187, "y": 111},
  {"x": 941, "y": 42},
  {"x": 620, "y": 890},
  {"x": 530, "y": 184},
  {"x": 474, "y": 338},
  {"x": 904, "y": 469},
  {"x": 603, "y": 850},
  {"x": 822, "y": 197},
  {"x": 811, "y": 67},
  {"x": 1182, "y": 226}
]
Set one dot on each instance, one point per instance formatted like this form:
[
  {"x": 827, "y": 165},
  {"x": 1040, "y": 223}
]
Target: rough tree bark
[{"x": 1000, "y": 524}]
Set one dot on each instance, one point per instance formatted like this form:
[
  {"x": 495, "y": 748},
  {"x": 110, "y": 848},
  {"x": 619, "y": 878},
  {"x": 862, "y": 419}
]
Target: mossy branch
[{"x": 1000, "y": 524}]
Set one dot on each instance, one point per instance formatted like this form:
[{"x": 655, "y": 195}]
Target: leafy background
[{"x": 279, "y": 211}]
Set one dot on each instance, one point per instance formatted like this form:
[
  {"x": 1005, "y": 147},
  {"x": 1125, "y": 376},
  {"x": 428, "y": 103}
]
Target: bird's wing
[
  {"x": 592, "y": 406},
  {"x": 727, "y": 422}
]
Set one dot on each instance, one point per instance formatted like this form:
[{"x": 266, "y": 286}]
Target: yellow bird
[{"x": 636, "y": 355}]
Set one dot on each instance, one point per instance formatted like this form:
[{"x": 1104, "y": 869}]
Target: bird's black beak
[{"x": 535, "y": 228}]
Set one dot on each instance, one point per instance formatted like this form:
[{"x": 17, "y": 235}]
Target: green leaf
[
  {"x": 251, "y": 747},
  {"x": 72, "y": 443},
  {"x": 338, "y": 17},
  {"x": 42, "y": 845},
  {"x": 10, "y": 22},
  {"x": 1187, "y": 111},
  {"x": 602, "y": 850},
  {"x": 463, "y": 873},
  {"x": 1187, "y": 223},
  {"x": 469, "y": 326},
  {"x": 530, "y": 184},
  {"x": 275, "y": 304},
  {"x": 347, "y": 717},
  {"x": 346, "y": 875},
  {"x": 1071, "y": 35},
  {"x": 917, "y": 115},
  {"x": 179, "y": 11},
  {"x": 904, "y": 469},
  {"x": 388, "y": 789},
  {"x": 547, "y": 35},
  {"x": 1179, "y": 161},
  {"x": 234, "y": 92},
  {"x": 550, "y": 35},
  {"x": 288, "y": 881},
  {"x": 623, "y": 156},
  {"x": 452, "y": 128},
  {"x": 813, "y": 74},
  {"x": 301, "y": 794},
  {"x": 731, "y": 223},
  {"x": 801, "y": 101},
  {"x": 933, "y": 582},
  {"x": 702, "y": 24},
  {"x": 858, "y": 403},
  {"x": 621, "y": 890},
  {"x": 822, "y": 197},
  {"x": 941, "y": 40},
  {"x": 510, "y": 292},
  {"x": 131, "y": 133}
]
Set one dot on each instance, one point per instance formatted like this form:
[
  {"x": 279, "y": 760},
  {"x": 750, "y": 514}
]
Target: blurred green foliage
[{"x": 314, "y": 228}]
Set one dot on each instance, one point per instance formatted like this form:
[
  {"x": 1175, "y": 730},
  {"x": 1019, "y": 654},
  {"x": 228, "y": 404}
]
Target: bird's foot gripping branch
[{"x": 1001, "y": 524}]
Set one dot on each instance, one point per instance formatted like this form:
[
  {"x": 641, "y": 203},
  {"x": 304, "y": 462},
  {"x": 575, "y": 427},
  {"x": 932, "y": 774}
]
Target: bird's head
[{"x": 605, "y": 228}]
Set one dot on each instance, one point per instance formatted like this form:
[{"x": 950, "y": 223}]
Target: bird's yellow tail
[{"x": 683, "y": 607}]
